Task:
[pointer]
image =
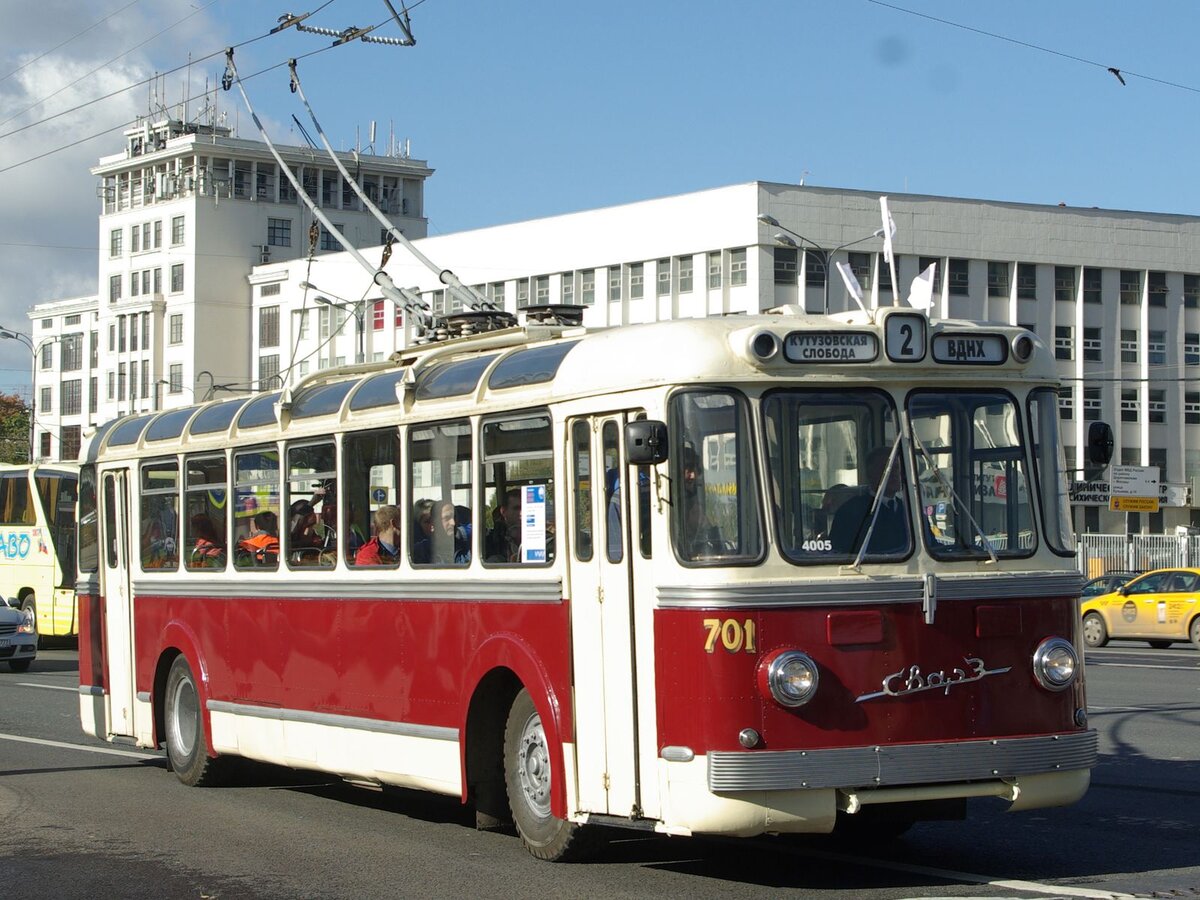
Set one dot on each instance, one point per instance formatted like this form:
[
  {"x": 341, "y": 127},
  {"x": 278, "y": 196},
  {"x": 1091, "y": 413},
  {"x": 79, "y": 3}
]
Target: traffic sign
[
  {"x": 1133, "y": 504},
  {"x": 1134, "y": 481}
]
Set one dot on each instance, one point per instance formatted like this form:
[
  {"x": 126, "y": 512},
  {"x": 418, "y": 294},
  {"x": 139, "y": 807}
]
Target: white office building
[{"x": 186, "y": 211}]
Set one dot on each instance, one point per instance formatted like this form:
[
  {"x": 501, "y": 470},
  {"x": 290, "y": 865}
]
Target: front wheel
[
  {"x": 187, "y": 745},
  {"x": 527, "y": 777},
  {"x": 20, "y": 665},
  {"x": 1194, "y": 632},
  {"x": 1095, "y": 632},
  {"x": 29, "y": 602}
]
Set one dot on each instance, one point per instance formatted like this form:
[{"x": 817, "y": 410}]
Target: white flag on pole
[
  {"x": 889, "y": 229},
  {"x": 853, "y": 288},
  {"x": 920, "y": 292}
]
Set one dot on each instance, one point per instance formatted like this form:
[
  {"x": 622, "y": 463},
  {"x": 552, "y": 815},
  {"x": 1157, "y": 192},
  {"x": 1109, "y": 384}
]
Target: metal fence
[{"x": 1100, "y": 553}]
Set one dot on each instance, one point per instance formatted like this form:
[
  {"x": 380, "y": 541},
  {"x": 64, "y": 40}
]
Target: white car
[{"x": 18, "y": 636}]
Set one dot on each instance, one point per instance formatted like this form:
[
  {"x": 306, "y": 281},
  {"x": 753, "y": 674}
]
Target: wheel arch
[
  {"x": 178, "y": 640},
  {"x": 501, "y": 667}
]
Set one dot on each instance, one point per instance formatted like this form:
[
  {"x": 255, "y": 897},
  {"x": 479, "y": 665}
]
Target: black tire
[
  {"x": 527, "y": 778},
  {"x": 1160, "y": 645},
  {"x": 1095, "y": 632},
  {"x": 20, "y": 665},
  {"x": 187, "y": 744},
  {"x": 1194, "y": 632}
]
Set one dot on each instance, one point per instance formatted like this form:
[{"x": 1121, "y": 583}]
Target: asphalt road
[{"x": 80, "y": 818}]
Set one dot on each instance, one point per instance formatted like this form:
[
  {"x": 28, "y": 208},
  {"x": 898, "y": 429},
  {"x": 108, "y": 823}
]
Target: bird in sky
[{"x": 1117, "y": 72}]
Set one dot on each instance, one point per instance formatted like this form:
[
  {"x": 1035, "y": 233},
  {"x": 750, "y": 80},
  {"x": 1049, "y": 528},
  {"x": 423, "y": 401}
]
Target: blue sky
[{"x": 535, "y": 108}]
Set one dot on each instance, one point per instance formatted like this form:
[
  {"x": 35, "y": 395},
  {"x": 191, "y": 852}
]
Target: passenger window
[
  {"x": 371, "y": 534},
  {"x": 581, "y": 441},
  {"x": 613, "y": 518},
  {"x": 256, "y": 509},
  {"x": 204, "y": 498},
  {"x": 160, "y": 516},
  {"x": 312, "y": 505},
  {"x": 442, "y": 528},
  {"x": 518, "y": 491}
]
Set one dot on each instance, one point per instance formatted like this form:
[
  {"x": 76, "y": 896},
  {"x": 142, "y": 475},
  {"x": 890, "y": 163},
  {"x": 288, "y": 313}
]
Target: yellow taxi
[{"x": 1161, "y": 607}]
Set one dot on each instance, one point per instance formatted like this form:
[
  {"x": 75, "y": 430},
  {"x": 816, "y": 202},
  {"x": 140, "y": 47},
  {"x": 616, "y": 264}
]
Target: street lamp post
[
  {"x": 789, "y": 240},
  {"x": 11, "y": 334}
]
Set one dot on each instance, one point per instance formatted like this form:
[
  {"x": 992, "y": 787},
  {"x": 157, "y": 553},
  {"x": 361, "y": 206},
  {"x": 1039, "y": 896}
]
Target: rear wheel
[
  {"x": 1160, "y": 645},
  {"x": 527, "y": 777},
  {"x": 1095, "y": 632},
  {"x": 187, "y": 745}
]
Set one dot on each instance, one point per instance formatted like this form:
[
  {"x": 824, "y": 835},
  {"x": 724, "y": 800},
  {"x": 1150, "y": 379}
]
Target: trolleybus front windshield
[{"x": 828, "y": 452}]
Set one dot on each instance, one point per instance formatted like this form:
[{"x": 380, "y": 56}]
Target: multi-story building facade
[
  {"x": 186, "y": 211},
  {"x": 1116, "y": 294}
]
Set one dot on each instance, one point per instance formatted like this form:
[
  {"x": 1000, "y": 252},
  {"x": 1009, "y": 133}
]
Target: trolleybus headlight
[
  {"x": 1055, "y": 664},
  {"x": 1022, "y": 347},
  {"x": 764, "y": 345},
  {"x": 791, "y": 677}
]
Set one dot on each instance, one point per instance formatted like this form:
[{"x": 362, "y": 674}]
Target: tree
[{"x": 14, "y": 429}]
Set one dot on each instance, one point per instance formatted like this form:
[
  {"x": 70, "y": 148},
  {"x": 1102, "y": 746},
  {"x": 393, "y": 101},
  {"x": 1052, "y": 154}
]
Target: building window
[
  {"x": 378, "y": 319},
  {"x": 714, "y": 269},
  {"x": 176, "y": 329},
  {"x": 145, "y": 379},
  {"x": 998, "y": 279},
  {"x": 269, "y": 290},
  {"x": 279, "y": 232},
  {"x": 122, "y": 378},
  {"x": 1091, "y": 404},
  {"x": 567, "y": 287},
  {"x": 1092, "y": 346},
  {"x": 72, "y": 352},
  {"x": 133, "y": 332},
  {"x": 737, "y": 266},
  {"x": 1091, "y": 285},
  {"x": 1026, "y": 281},
  {"x": 663, "y": 276},
  {"x": 177, "y": 278},
  {"x": 328, "y": 241},
  {"x": 1191, "y": 291},
  {"x": 786, "y": 265},
  {"x": 496, "y": 294},
  {"x": 114, "y": 288},
  {"x": 960, "y": 282},
  {"x": 860, "y": 266},
  {"x": 684, "y": 268},
  {"x": 44, "y": 443},
  {"x": 1131, "y": 456},
  {"x": 541, "y": 290},
  {"x": 1131, "y": 287},
  {"x": 1064, "y": 342},
  {"x": 135, "y": 239},
  {"x": 522, "y": 293},
  {"x": 614, "y": 283},
  {"x": 1064, "y": 284},
  {"x": 1129, "y": 345},
  {"x": 885, "y": 271},
  {"x": 1156, "y": 287},
  {"x": 268, "y": 372},
  {"x": 1191, "y": 407},
  {"x": 175, "y": 378},
  {"x": 814, "y": 269},
  {"x": 637, "y": 280},
  {"x": 268, "y": 326},
  {"x": 93, "y": 394},
  {"x": 1157, "y": 407},
  {"x": 1066, "y": 402},
  {"x": 587, "y": 287},
  {"x": 437, "y": 305},
  {"x": 1129, "y": 405},
  {"x": 145, "y": 331},
  {"x": 158, "y": 234},
  {"x": 177, "y": 232},
  {"x": 1191, "y": 348},
  {"x": 1156, "y": 348},
  {"x": 112, "y": 385},
  {"x": 114, "y": 242},
  {"x": 44, "y": 404}
]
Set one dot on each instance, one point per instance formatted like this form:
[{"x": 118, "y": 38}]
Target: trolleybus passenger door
[
  {"x": 118, "y": 606},
  {"x": 605, "y": 701}
]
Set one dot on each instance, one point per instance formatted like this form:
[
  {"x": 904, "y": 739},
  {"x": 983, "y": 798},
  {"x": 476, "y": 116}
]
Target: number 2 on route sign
[{"x": 905, "y": 337}]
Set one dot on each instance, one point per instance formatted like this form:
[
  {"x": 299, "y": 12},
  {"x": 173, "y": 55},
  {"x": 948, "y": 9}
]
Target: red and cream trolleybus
[{"x": 771, "y": 573}]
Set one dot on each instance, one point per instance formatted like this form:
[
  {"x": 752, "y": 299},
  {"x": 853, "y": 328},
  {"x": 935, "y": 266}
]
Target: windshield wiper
[
  {"x": 877, "y": 501},
  {"x": 941, "y": 479}
]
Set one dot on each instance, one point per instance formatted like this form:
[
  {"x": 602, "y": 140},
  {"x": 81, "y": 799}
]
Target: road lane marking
[
  {"x": 1033, "y": 887},
  {"x": 47, "y": 687},
  {"x": 21, "y": 739}
]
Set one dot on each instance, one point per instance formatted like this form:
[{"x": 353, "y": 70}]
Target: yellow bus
[{"x": 37, "y": 543}]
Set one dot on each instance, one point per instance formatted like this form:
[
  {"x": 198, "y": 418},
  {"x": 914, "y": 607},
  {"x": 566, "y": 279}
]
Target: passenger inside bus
[
  {"x": 262, "y": 544},
  {"x": 206, "y": 551},
  {"x": 447, "y": 545},
  {"x": 890, "y": 534},
  {"x": 384, "y": 548},
  {"x": 503, "y": 543},
  {"x": 422, "y": 521}
]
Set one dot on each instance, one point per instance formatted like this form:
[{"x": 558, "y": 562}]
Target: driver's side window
[{"x": 1151, "y": 584}]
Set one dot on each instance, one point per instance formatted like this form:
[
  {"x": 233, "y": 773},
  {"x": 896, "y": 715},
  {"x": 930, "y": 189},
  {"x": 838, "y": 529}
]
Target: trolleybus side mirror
[
  {"x": 645, "y": 442},
  {"x": 1100, "y": 443}
]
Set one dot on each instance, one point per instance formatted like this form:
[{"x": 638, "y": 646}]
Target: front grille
[{"x": 8, "y": 628}]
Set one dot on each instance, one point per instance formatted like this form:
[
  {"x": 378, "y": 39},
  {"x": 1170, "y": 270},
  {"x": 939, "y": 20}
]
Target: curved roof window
[
  {"x": 321, "y": 400},
  {"x": 97, "y": 440},
  {"x": 452, "y": 379},
  {"x": 218, "y": 417},
  {"x": 169, "y": 424},
  {"x": 129, "y": 431},
  {"x": 378, "y": 390},
  {"x": 529, "y": 366},
  {"x": 259, "y": 411}
]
